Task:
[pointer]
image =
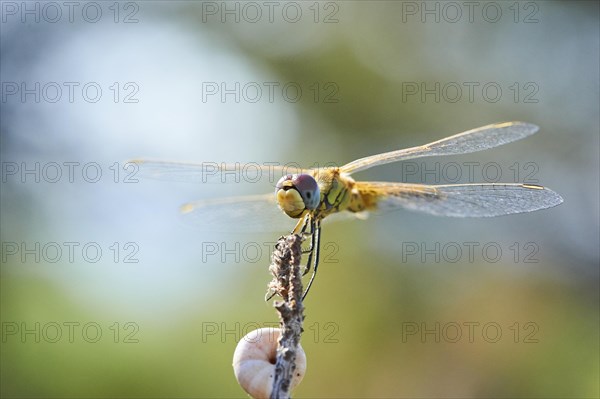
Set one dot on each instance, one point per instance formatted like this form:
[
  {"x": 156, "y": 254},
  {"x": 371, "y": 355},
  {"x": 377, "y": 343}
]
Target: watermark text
[
  {"x": 69, "y": 332},
  {"x": 469, "y": 332},
  {"x": 255, "y": 252},
  {"x": 53, "y": 12},
  {"x": 469, "y": 252},
  {"x": 452, "y": 12},
  {"x": 223, "y": 332},
  {"x": 252, "y": 12},
  {"x": 67, "y": 172},
  {"x": 270, "y": 92},
  {"x": 470, "y": 92},
  {"x": 69, "y": 252},
  {"x": 69, "y": 92}
]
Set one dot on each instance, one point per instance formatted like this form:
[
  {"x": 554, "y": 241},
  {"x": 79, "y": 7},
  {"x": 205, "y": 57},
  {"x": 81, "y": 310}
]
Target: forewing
[
  {"x": 210, "y": 172},
  {"x": 243, "y": 214},
  {"x": 461, "y": 200},
  {"x": 479, "y": 139}
]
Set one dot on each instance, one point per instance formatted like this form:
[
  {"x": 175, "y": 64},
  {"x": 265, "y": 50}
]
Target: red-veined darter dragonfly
[{"x": 317, "y": 193}]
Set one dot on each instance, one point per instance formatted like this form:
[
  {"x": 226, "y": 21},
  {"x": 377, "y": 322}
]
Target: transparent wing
[
  {"x": 470, "y": 141},
  {"x": 212, "y": 172},
  {"x": 460, "y": 200},
  {"x": 245, "y": 214}
]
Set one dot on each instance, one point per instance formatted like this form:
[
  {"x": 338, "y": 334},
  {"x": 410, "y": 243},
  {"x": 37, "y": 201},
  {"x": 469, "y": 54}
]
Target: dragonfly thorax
[{"x": 338, "y": 193}]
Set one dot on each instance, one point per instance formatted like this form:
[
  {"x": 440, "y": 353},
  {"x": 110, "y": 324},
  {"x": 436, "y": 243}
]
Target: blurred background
[{"x": 107, "y": 292}]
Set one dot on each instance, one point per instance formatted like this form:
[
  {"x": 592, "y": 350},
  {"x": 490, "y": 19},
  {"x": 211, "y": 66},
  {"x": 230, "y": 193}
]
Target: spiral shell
[{"x": 254, "y": 362}]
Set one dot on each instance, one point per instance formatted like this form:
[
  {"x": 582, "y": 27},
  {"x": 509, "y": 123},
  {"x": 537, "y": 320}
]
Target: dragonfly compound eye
[
  {"x": 295, "y": 193},
  {"x": 309, "y": 190}
]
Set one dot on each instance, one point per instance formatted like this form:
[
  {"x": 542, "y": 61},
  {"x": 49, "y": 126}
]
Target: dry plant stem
[{"x": 287, "y": 283}]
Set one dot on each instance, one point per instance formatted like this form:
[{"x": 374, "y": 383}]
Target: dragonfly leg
[
  {"x": 300, "y": 227},
  {"x": 270, "y": 294},
  {"x": 311, "y": 250},
  {"x": 305, "y": 234},
  {"x": 308, "y": 221},
  {"x": 317, "y": 244}
]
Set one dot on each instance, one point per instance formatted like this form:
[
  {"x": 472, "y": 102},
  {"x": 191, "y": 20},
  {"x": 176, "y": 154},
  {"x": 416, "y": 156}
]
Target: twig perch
[{"x": 287, "y": 282}]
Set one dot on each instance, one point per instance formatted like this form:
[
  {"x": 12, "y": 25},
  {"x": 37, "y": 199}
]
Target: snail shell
[{"x": 254, "y": 362}]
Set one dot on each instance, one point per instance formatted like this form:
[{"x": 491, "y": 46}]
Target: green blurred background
[{"x": 380, "y": 321}]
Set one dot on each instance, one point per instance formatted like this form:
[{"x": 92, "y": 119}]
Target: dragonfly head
[{"x": 296, "y": 193}]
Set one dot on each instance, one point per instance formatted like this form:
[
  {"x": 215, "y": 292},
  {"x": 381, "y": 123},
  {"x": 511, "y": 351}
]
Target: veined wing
[
  {"x": 460, "y": 200},
  {"x": 212, "y": 172},
  {"x": 241, "y": 214},
  {"x": 479, "y": 139},
  {"x": 247, "y": 214}
]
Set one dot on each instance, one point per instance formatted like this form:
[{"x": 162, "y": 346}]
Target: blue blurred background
[{"x": 397, "y": 310}]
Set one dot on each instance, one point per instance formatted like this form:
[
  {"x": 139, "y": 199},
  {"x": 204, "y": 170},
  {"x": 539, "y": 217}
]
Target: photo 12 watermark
[
  {"x": 449, "y": 172},
  {"x": 53, "y": 332},
  {"x": 489, "y": 92},
  {"x": 255, "y": 12},
  {"x": 452, "y": 12},
  {"x": 68, "y": 172},
  {"x": 53, "y": 12},
  {"x": 69, "y": 92},
  {"x": 490, "y": 332},
  {"x": 243, "y": 252},
  {"x": 270, "y": 92},
  {"x": 69, "y": 252},
  {"x": 469, "y": 252},
  {"x": 224, "y": 332}
]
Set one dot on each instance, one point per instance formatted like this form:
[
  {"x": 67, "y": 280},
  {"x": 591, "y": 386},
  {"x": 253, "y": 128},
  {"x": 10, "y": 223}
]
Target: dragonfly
[{"x": 313, "y": 195}]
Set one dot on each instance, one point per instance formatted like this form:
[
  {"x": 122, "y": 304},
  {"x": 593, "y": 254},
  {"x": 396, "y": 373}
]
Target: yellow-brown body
[{"x": 339, "y": 192}]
